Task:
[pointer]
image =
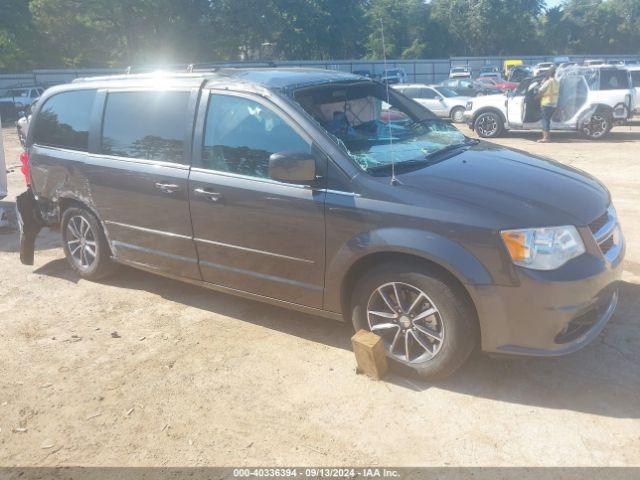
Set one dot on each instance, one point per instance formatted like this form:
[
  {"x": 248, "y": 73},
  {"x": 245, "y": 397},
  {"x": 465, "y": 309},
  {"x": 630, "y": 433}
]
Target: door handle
[
  {"x": 205, "y": 192},
  {"x": 167, "y": 187}
]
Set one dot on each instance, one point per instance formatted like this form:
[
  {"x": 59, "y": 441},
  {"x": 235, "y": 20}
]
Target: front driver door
[{"x": 253, "y": 233}]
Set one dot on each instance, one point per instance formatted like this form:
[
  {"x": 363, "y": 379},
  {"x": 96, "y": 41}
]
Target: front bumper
[
  {"x": 551, "y": 313},
  {"x": 468, "y": 118},
  {"x": 30, "y": 223}
]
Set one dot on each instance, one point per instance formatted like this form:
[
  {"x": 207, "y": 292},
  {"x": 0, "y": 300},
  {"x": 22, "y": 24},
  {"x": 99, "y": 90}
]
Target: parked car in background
[
  {"x": 517, "y": 74},
  {"x": 436, "y": 242},
  {"x": 635, "y": 81},
  {"x": 460, "y": 72},
  {"x": 591, "y": 101},
  {"x": 508, "y": 65},
  {"x": 363, "y": 73},
  {"x": 469, "y": 88},
  {"x": 561, "y": 59},
  {"x": 16, "y": 99},
  {"x": 393, "y": 76},
  {"x": 21, "y": 97},
  {"x": 541, "y": 68},
  {"x": 489, "y": 71},
  {"x": 442, "y": 101},
  {"x": 498, "y": 82},
  {"x": 22, "y": 124},
  {"x": 593, "y": 62}
]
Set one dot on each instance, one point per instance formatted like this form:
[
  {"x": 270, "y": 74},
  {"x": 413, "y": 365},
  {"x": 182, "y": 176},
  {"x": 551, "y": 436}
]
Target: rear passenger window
[
  {"x": 146, "y": 125},
  {"x": 63, "y": 121},
  {"x": 241, "y": 135}
]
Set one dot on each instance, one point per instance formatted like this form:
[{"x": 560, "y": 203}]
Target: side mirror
[{"x": 292, "y": 167}]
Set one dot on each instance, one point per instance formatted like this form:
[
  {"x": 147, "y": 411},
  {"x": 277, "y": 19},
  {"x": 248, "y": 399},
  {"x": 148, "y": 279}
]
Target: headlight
[
  {"x": 469, "y": 106},
  {"x": 543, "y": 248}
]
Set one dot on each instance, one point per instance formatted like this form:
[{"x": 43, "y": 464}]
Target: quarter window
[
  {"x": 146, "y": 125},
  {"x": 63, "y": 121},
  {"x": 241, "y": 135},
  {"x": 635, "y": 76}
]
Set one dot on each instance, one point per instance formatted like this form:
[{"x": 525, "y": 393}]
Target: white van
[{"x": 591, "y": 101}]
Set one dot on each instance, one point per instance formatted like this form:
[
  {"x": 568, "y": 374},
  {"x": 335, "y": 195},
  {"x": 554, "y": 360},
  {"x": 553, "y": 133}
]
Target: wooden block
[{"x": 370, "y": 355}]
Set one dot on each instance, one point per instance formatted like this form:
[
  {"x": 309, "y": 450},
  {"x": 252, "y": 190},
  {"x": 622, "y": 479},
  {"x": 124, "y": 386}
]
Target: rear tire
[
  {"x": 85, "y": 244},
  {"x": 432, "y": 328},
  {"x": 598, "y": 126},
  {"x": 488, "y": 125}
]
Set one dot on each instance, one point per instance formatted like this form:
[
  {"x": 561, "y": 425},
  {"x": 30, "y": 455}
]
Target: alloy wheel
[
  {"x": 81, "y": 242},
  {"x": 408, "y": 322},
  {"x": 458, "y": 115},
  {"x": 487, "y": 125},
  {"x": 597, "y": 126}
]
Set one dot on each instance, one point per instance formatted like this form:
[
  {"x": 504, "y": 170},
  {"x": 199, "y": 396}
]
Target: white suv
[{"x": 591, "y": 101}]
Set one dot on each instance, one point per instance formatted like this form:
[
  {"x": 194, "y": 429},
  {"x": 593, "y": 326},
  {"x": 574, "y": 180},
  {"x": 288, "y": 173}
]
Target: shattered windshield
[{"x": 377, "y": 133}]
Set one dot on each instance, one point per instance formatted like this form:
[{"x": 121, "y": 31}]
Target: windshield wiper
[
  {"x": 429, "y": 158},
  {"x": 449, "y": 148}
]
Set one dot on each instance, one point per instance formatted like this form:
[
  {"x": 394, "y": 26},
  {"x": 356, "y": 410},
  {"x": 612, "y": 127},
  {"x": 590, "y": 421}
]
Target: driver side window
[{"x": 241, "y": 134}]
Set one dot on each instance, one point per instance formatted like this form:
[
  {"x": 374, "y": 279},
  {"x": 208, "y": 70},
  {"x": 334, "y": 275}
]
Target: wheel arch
[
  {"x": 369, "y": 261},
  {"x": 67, "y": 201}
]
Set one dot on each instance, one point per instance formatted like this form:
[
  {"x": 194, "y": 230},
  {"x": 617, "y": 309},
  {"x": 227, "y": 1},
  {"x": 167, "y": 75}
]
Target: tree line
[{"x": 114, "y": 33}]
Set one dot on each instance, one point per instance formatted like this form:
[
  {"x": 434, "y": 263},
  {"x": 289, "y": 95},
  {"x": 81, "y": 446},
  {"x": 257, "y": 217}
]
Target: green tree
[{"x": 18, "y": 37}]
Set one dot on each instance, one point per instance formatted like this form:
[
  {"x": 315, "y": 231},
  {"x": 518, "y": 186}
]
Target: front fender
[{"x": 427, "y": 245}]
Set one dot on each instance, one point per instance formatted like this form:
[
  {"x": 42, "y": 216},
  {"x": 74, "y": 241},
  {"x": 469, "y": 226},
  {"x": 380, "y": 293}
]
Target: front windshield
[
  {"x": 446, "y": 92},
  {"x": 377, "y": 133}
]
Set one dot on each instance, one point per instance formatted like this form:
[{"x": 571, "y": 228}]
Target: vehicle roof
[{"x": 270, "y": 78}]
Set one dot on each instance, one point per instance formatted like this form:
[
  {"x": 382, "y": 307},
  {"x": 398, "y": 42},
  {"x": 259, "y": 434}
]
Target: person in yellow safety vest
[{"x": 548, "y": 93}]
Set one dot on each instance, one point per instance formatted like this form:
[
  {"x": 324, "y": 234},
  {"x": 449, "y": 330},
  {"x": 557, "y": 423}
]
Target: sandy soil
[{"x": 140, "y": 370}]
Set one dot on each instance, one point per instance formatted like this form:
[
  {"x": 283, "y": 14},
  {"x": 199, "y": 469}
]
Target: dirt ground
[{"x": 140, "y": 370}]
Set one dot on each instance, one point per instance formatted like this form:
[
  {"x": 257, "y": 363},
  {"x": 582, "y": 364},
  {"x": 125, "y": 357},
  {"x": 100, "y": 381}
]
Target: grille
[
  {"x": 607, "y": 244},
  {"x": 599, "y": 222},
  {"x": 603, "y": 229}
]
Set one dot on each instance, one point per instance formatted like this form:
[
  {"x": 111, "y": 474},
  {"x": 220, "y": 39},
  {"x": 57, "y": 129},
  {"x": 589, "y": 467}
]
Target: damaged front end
[{"x": 30, "y": 223}]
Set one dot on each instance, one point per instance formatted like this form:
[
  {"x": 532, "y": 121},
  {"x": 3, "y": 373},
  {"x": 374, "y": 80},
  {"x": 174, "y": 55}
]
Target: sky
[{"x": 553, "y": 3}]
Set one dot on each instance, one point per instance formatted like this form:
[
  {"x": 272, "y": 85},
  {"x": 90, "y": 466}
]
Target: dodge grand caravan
[{"x": 327, "y": 193}]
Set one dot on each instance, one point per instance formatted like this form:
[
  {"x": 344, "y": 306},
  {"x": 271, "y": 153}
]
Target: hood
[
  {"x": 496, "y": 100},
  {"x": 522, "y": 189}
]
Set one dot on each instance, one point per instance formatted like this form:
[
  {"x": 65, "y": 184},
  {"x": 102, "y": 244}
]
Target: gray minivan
[{"x": 331, "y": 194}]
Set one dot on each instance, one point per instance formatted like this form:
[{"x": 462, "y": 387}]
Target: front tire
[
  {"x": 457, "y": 115},
  {"x": 488, "y": 125},
  {"x": 425, "y": 322},
  {"x": 85, "y": 245}
]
